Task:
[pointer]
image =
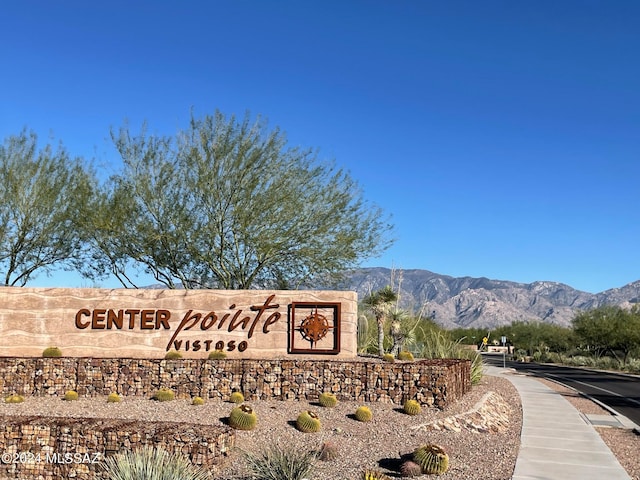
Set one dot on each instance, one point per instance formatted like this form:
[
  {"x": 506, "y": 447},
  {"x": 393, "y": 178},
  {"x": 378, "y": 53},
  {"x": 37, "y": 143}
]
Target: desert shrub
[
  {"x": 328, "y": 451},
  {"x": 113, "y": 398},
  {"x": 432, "y": 459},
  {"x": 14, "y": 399},
  {"x": 387, "y": 357},
  {"x": 243, "y": 418},
  {"x": 328, "y": 400},
  {"x": 236, "y": 397},
  {"x": 173, "y": 355},
  {"x": 363, "y": 414},
  {"x": 197, "y": 401},
  {"x": 412, "y": 407},
  {"x": 164, "y": 395},
  {"x": 52, "y": 352},
  {"x": 438, "y": 344},
  {"x": 405, "y": 356},
  {"x": 217, "y": 355},
  {"x": 633, "y": 365},
  {"x": 150, "y": 463},
  {"x": 277, "y": 463},
  {"x": 71, "y": 395},
  {"x": 308, "y": 422}
]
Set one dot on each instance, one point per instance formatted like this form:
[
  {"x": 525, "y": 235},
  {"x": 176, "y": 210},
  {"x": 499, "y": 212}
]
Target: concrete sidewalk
[{"x": 557, "y": 442}]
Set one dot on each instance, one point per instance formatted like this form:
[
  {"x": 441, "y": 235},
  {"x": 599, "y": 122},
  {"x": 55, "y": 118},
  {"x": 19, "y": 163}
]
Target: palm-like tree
[{"x": 380, "y": 303}]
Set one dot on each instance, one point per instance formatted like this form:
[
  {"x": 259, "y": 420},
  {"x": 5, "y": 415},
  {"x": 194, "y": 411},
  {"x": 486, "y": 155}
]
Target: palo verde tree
[
  {"x": 43, "y": 195},
  {"x": 227, "y": 203},
  {"x": 380, "y": 303},
  {"x": 609, "y": 329}
]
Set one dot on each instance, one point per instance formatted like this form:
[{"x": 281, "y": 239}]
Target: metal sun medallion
[{"x": 315, "y": 327}]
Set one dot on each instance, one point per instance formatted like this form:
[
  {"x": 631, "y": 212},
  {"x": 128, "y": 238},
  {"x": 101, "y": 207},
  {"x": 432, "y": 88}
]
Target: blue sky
[{"x": 502, "y": 136}]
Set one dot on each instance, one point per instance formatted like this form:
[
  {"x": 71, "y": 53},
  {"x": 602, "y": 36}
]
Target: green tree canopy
[
  {"x": 228, "y": 204},
  {"x": 43, "y": 195}
]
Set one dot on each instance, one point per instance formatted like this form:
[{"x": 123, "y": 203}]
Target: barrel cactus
[
  {"x": 328, "y": 451},
  {"x": 432, "y": 459},
  {"x": 411, "y": 407},
  {"x": 52, "y": 352},
  {"x": 197, "y": 401},
  {"x": 328, "y": 400},
  {"x": 173, "y": 355},
  {"x": 405, "y": 356},
  {"x": 71, "y": 395},
  {"x": 14, "y": 399},
  {"x": 243, "y": 418},
  {"x": 387, "y": 357},
  {"x": 363, "y": 414},
  {"x": 308, "y": 422},
  {"x": 410, "y": 469},
  {"x": 236, "y": 397},
  {"x": 113, "y": 398}
]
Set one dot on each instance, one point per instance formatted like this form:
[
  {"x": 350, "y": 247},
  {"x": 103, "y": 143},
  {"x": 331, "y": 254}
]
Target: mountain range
[{"x": 484, "y": 303}]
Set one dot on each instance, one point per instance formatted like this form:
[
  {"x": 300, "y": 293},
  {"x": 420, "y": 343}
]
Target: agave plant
[
  {"x": 150, "y": 463},
  {"x": 277, "y": 463}
]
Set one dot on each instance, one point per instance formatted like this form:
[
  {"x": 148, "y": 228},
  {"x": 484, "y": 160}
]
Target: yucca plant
[
  {"x": 71, "y": 395},
  {"x": 374, "y": 475},
  {"x": 113, "y": 398},
  {"x": 243, "y": 418},
  {"x": 412, "y": 407},
  {"x": 328, "y": 400},
  {"x": 432, "y": 459},
  {"x": 52, "y": 352},
  {"x": 308, "y": 422},
  {"x": 363, "y": 414},
  {"x": 150, "y": 463},
  {"x": 277, "y": 463}
]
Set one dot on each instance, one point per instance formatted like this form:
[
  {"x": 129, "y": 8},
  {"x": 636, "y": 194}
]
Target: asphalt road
[{"x": 620, "y": 392}]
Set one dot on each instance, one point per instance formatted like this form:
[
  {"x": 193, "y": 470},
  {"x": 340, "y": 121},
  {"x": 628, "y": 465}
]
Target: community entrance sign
[{"x": 148, "y": 323}]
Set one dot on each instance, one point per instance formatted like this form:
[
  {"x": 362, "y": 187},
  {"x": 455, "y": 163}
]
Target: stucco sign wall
[{"x": 106, "y": 323}]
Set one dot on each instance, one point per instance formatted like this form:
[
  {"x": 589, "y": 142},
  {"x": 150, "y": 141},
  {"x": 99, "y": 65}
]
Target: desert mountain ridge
[{"x": 484, "y": 303}]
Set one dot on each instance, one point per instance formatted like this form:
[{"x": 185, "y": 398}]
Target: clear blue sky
[{"x": 503, "y": 136}]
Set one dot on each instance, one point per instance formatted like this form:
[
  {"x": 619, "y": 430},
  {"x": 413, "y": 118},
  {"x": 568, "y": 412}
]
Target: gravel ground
[
  {"x": 487, "y": 451},
  {"x": 377, "y": 444}
]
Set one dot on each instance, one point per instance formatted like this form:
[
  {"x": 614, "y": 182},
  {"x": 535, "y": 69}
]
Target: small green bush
[
  {"x": 149, "y": 463},
  {"x": 243, "y": 418},
  {"x": 308, "y": 422},
  {"x": 52, "y": 352},
  {"x": 113, "y": 398},
  {"x": 363, "y": 414},
  {"x": 14, "y": 399},
  {"x": 412, "y": 407},
  {"x": 197, "y": 401},
  {"x": 276, "y": 463},
  {"x": 328, "y": 400},
  {"x": 173, "y": 355},
  {"x": 236, "y": 397},
  {"x": 71, "y": 395},
  {"x": 217, "y": 355},
  {"x": 164, "y": 395}
]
